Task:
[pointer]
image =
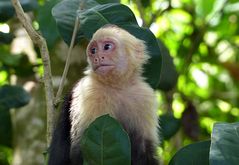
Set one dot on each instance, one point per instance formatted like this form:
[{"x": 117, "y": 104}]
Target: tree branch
[
  {"x": 67, "y": 65},
  {"x": 41, "y": 43}
]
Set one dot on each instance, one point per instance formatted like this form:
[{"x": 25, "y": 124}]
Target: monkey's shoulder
[
  {"x": 91, "y": 85},
  {"x": 89, "y": 90},
  {"x": 134, "y": 103}
]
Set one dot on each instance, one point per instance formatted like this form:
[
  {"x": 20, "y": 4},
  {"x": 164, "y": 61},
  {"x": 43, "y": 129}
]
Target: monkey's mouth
[{"x": 103, "y": 68}]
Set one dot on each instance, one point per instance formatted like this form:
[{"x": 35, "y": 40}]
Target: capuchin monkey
[{"x": 113, "y": 85}]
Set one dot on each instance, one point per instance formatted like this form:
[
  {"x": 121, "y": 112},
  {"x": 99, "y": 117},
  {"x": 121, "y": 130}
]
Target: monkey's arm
[
  {"x": 59, "y": 152},
  {"x": 142, "y": 155}
]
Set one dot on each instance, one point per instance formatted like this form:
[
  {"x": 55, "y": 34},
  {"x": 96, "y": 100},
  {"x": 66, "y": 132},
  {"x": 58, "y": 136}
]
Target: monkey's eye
[
  {"x": 93, "y": 50},
  {"x": 108, "y": 46}
]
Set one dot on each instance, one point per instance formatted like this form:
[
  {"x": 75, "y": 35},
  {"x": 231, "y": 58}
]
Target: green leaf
[
  {"x": 6, "y": 38},
  {"x": 108, "y": 1},
  {"x": 224, "y": 28},
  {"x": 19, "y": 63},
  {"x": 169, "y": 125},
  {"x": 204, "y": 7},
  {"x": 7, "y": 11},
  {"x": 65, "y": 14},
  {"x": 47, "y": 23},
  {"x": 169, "y": 75},
  {"x": 13, "y": 97},
  {"x": 193, "y": 154},
  {"x": 93, "y": 16},
  {"x": 5, "y": 127},
  {"x": 24, "y": 68},
  {"x": 225, "y": 144},
  {"x": 105, "y": 143},
  {"x": 8, "y": 59},
  {"x": 100, "y": 15},
  {"x": 6, "y": 154}
]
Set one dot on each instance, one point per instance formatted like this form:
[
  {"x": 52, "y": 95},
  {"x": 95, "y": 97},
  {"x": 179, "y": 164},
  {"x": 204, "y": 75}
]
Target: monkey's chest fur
[{"x": 133, "y": 106}]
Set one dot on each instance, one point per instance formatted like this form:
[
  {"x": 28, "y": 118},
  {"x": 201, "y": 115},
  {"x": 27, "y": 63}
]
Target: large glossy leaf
[
  {"x": 94, "y": 16},
  {"x": 108, "y": 1},
  {"x": 225, "y": 144},
  {"x": 7, "y": 10},
  {"x": 193, "y": 154},
  {"x": 169, "y": 75},
  {"x": 65, "y": 14},
  {"x": 47, "y": 23},
  {"x": 13, "y": 97},
  {"x": 5, "y": 127},
  {"x": 169, "y": 125},
  {"x": 105, "y": 143}
]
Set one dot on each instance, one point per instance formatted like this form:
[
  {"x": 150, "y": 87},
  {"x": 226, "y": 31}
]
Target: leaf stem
[{"x": 67, "y": 65}]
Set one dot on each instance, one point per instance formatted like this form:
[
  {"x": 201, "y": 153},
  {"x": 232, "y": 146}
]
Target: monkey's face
[{"x": 104, "y": 57}]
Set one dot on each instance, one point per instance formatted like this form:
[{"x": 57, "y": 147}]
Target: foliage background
[{"x": 202, "y": 37}]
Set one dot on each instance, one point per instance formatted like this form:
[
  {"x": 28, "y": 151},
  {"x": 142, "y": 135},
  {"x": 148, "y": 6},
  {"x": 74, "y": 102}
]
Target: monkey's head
[{"x": 113, "y": 51}]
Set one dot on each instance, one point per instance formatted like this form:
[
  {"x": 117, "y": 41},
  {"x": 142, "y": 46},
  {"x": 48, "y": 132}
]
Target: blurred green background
[{"x": 199, "y": 42}]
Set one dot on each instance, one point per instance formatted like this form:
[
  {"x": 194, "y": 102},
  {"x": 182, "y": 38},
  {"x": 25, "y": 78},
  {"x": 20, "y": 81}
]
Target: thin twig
[
  {"x": 67, "y": 65},
  {"x": 41, "y": 43}
]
